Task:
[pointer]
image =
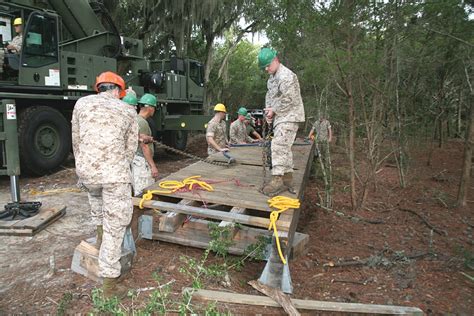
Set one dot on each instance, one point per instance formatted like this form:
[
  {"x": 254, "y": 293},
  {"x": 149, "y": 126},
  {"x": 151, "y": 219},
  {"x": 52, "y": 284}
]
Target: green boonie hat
[
  {"x": 148, "y": 99},
  {"x": 242, "y": 111},
  {"x": 130, "y": 98},
  {"x": 265, "y": 57}
]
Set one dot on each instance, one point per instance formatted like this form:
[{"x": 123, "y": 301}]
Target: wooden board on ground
[
  {"x": 235, "y": 298},
  {"x": 85, "y": 260},
  {"x": 30, "y": 226}
]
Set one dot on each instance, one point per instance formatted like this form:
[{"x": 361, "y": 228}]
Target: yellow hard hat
[
  {"x": 17, "y": 21},
  {"x": 220, "y": 108}
]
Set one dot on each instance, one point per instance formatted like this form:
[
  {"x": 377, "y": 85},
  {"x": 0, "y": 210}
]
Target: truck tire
[
  {"x": 176, "y": 139},
  {"x": 44, "y": 137}
]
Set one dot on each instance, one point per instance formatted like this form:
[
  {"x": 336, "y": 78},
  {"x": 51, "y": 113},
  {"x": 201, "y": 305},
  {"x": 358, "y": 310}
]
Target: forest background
[{"x": 388, "y": 74}]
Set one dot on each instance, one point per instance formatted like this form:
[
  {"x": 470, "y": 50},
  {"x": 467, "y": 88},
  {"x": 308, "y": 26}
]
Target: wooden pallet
[
  {"x": 235, "y": 199},
  {"x": 30, "y": 226}
]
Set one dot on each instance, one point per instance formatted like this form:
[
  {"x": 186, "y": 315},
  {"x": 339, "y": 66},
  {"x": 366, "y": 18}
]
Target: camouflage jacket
[
  {"x": 104, "y": 138},
  {"x": 284, "y": 97},
  {"x": 321, "y": 130},
  {"x": 238, "y": 133},
  {"x": 216, "y": 130},
  {"x": 17, "y": 42}
]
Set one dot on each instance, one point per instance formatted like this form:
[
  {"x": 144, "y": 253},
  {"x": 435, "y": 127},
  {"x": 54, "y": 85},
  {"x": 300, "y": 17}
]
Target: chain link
[{"x": 180, "y": 152}]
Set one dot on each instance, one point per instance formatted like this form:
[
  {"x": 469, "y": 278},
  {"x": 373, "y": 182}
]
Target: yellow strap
[
  {"x": 173, "y": 186},
  {"x": 281, "y": 204}
]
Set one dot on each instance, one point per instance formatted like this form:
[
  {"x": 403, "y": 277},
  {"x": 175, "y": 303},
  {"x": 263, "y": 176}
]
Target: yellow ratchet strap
[
  {"x": 172, "y": 186},
  {"x": 280, "y": 204}
]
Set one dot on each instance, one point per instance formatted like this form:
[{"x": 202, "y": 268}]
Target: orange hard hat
[{"x": 111, "y": 77}]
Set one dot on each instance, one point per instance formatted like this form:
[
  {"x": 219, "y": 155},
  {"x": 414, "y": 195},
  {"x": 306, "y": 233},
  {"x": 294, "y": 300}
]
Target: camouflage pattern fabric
[
  {"x": 141, "y": 173},
  {"x": 321, "y": 130},
  {"x": 284, "y": 97},
  {"x": 113, "y": 203},
  {"x": 17, "y": 42},
  {"x": 284, "y": 135},
  {"x": 216, "y": 130},
  {"x": 104, "y": 138},
  {"x": 238, "y": 133}
]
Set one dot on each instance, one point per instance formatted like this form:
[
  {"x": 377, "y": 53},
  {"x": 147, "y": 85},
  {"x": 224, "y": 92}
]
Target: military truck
[{"x": 66, "y": 44}]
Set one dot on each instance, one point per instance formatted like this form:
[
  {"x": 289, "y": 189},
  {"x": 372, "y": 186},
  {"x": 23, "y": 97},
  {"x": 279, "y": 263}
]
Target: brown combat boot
[
  {"x": 288, "y": 182},
  {"x": 275, "y": 186},
  {"x": 100, "y": 233},
  {"x": 112, "y": 288}
]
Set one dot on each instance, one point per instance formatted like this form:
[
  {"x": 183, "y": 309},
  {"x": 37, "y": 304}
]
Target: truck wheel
[
  {"x": 176, "y": 139},
  {"x": 44, "y": 139}
]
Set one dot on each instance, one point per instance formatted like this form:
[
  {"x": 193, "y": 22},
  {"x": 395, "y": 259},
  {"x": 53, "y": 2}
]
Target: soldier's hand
[
  {"x": 223, "y": 149},
  {"x": 146, "y": 139},
  {"x": 154, "y": 172},
  {"x": 269, "y": 113}
]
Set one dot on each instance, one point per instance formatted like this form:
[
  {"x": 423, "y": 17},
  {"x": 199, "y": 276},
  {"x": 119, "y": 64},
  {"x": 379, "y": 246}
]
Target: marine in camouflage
[
  {"x": 238, "y": 133},
  {"x": 284, "y": 98},
  {"x": 141, "y": 170},
  {"x": 141, "y": 174},
  {"x": 105, "y": 139},
  {"x": 17, "y": 42},
  {"x": 216, "y": 130},
  {"x": 284, "y": 135},
  {"x": 321, "y": 130}
]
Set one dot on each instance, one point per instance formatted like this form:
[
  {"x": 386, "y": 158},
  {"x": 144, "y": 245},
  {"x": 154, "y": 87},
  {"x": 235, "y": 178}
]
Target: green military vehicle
[{"x": 66, "y": 44}]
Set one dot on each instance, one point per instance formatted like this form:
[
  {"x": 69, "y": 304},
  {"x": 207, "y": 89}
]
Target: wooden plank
[
  {"x": 277, "y": 295},
  {"x": 44, "y": 215},
  {"x": 208, "y": 213},
  {"x": 171, "y": 220},
  {"x": 235, "y": 298},
  {"x": 34, "y": 224}
]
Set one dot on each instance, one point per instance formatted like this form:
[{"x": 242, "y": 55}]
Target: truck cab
[{"x": 66, "y": 45}]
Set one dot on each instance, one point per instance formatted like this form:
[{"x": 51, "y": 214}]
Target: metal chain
[
  {"x": 180, "y": 152},
  {"x": 266, "y": 150}
]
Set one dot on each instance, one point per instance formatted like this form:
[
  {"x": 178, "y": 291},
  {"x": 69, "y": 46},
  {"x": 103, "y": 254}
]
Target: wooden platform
[
  {"x": 30, "y": 226},
  {"x": 236, "y": 198}
]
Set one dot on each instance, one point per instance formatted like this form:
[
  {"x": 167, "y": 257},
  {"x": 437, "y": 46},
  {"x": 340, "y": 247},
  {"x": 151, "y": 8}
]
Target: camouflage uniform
[
  {"x": 321, "y": 137},
  {"x": 17, "y": 42},
  {"x": 321, "y": 130},
  {"x": 141, "y": 170},
  {"x": 284, "y": 97},
  {"x": 105, "y": 138},
  {"x": 216, "y": 130},
  {"x": 238, "y": 133}
]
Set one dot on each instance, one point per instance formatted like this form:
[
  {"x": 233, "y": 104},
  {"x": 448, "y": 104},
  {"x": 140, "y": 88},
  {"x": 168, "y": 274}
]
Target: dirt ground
[{"x": 396, "y": 259}]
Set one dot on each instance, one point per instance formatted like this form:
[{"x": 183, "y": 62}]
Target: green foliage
[
  {"x": 64, "y": 304},
  {"x": 104, "y": 305}
]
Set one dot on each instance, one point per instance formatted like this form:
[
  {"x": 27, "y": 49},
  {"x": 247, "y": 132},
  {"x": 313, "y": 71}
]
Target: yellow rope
[
  {"x": 281, "y": 204},
  {"x": 172, "y": 186}
]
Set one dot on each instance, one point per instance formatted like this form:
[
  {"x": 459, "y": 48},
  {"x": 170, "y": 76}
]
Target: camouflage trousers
[
  {"x": 111, "y": 206},
  {"x": 141, "y": 174},
  {"x": 284, "y": 135}
]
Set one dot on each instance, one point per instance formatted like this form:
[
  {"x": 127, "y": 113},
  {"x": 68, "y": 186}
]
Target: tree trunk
[{"x": 467, "y": 168}]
